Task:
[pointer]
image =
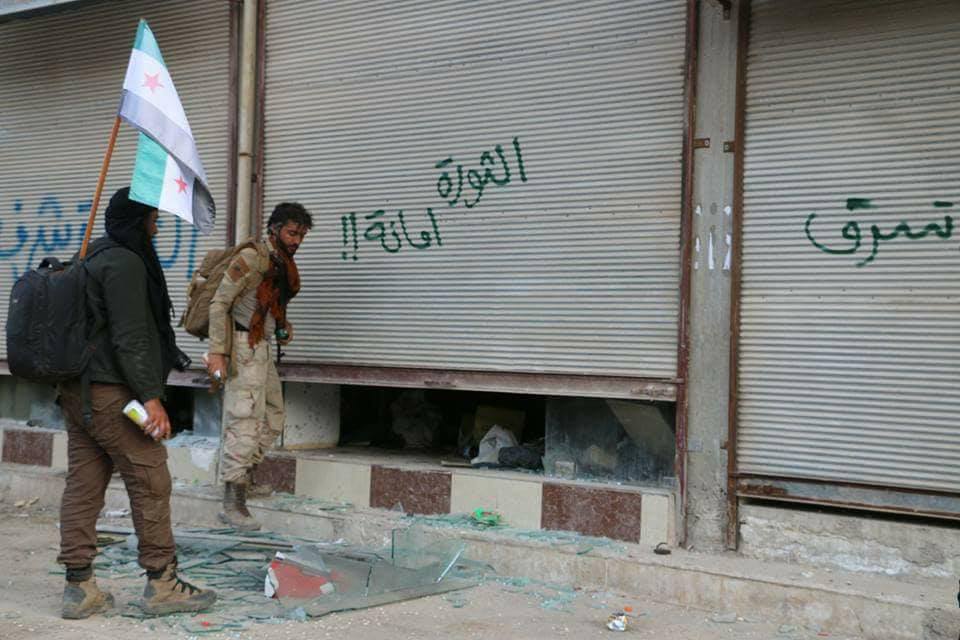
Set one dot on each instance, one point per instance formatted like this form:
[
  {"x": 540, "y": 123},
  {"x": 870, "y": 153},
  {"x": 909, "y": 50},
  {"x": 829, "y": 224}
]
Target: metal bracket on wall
[
  {"x": 701, "y": 143},
  {"x": 730, "y": 146}
]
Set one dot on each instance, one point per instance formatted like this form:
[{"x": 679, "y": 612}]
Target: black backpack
[{"x": 48, "y": 333}]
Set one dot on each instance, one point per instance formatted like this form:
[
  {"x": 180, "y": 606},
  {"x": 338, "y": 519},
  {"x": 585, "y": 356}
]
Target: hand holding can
[{"x": 154, "y": 421}]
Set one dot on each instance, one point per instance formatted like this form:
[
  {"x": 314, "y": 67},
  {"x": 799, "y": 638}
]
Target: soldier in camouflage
[{"x": 248, "y": 308}]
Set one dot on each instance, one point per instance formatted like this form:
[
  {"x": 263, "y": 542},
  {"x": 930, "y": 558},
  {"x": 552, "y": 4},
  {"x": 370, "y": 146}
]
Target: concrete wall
[
  {"x": 710, "y": 305},
  {"x": 850, "y": 542}
]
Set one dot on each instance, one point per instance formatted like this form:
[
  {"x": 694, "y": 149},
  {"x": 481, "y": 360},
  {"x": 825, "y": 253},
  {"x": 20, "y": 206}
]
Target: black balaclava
[{"x": 125, "y": 222}]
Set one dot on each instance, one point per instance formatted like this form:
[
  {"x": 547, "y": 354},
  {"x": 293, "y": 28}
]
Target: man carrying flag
[{"x": 133, "y": 351}]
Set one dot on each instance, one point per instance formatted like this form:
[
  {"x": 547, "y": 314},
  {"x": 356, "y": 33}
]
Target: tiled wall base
[{"x": 525, "y": 501}]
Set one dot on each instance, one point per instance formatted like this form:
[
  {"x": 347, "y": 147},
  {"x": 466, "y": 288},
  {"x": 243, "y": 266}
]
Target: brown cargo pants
[{"x": 111, "y": 442}]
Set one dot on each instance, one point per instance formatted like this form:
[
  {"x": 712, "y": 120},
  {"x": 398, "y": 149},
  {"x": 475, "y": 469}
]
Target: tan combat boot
[
  {"x": 257, "y": 489},
  {"x": 235, "y": 511},
  {"x": 82, "y": 599},
  {"x": 165, "y": 593}
]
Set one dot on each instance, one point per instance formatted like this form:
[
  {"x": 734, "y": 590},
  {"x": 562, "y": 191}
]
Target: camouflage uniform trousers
[{"x": 252, "y": 408}]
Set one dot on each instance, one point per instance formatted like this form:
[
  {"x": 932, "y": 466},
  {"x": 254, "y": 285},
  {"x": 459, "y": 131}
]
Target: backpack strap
[
  {"x": 86, "y": 406},
  {"x": 49, "y": 262}
]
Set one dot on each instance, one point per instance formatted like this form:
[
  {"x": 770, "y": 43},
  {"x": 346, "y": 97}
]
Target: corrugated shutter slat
[
  {"x": 849, "y": 373},
  {"x": 574, "y": 271}
]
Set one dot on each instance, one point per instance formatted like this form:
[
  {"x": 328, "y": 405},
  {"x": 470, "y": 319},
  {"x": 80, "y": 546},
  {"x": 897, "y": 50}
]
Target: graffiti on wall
[
  {"x": 392, "y": 232},
  {"x": 478, "y": 179},
  {"x": 52, "y": 229},
  {"x": 377, "y": 231},
  {"x": 853, "y": 231}
]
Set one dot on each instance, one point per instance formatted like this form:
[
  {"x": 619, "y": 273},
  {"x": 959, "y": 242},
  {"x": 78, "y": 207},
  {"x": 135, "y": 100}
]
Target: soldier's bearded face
[{"x": 290, "y": 236}]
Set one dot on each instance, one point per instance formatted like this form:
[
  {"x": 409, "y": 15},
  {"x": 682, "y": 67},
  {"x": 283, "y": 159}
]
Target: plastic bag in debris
[{"x": 497, "y": 438}]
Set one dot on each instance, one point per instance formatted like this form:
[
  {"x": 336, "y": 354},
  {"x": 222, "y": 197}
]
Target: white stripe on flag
[
  {"x": 149, "y": 79},
  {"x": 176, "y": 195}
]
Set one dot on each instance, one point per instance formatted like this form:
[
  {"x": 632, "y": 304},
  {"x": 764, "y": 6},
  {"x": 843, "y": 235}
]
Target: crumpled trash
[
  {"x": 497, "y": 438},
  {"x": 617, "y": 621},
  {"x": 486, "y": 517},
  {"x": 522, "y": 457}
]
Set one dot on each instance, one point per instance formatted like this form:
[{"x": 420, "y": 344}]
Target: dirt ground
[{"x": 31, "y": 585}]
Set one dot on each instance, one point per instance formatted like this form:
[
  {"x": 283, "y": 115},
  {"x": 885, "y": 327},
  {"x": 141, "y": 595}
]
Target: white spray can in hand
[{"x": 138, "y": 413}]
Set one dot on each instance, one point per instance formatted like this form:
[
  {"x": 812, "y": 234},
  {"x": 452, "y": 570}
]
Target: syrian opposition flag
[{"x": 168, "y": 173}]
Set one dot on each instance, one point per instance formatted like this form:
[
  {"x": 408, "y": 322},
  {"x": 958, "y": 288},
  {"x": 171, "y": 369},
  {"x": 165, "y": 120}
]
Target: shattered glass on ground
[{"x": 236, "y": 564}]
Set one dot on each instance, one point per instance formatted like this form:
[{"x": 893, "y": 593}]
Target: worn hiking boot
[
  {"x": 166, "y": 593},
  {"x": 82, "y": 599},
  {"x": 257, "y": 489},
  {"x": 235, "y": 511}
]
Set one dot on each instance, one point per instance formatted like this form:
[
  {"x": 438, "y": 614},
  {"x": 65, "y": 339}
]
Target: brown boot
[
  {"x": 83, "y": 598},
  {"x": 166, "y": 593},
  {"x": 235, "y": 511},
  {"x": 257, "y": 489}
]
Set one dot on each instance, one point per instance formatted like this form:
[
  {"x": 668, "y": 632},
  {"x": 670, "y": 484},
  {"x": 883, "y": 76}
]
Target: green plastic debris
[{"x": 486, "y": 517}]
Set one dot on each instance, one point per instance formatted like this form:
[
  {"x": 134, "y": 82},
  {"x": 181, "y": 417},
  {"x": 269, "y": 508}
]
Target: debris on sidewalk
[
  {"x": 662, "y": 549},
  {"x": 486, "y": 517},
  {"x": 266, "y": 578},
  {"x": 287, "y": 577},
  {"x": 728, "y": 617},
  {"x": 617, "y": 621}
]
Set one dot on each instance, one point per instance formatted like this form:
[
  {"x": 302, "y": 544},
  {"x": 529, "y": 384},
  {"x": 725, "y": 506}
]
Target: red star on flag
[
  {"x": 152, "y": 82},
  {"x": 181, "y": 185}
]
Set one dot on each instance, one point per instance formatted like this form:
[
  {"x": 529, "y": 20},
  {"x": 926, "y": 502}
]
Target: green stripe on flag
[
  {"x": 147, "y": 43},
  {"x": 148, "y": 172}
]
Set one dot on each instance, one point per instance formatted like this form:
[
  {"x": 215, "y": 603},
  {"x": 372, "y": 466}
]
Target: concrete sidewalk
[{"x": 830, "y": 602}]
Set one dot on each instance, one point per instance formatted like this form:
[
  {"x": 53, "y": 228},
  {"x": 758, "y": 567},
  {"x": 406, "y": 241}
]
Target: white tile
[
  {"x": 336, "y": 481},
  {"x": 656, "y": 519},
  {"x": 59, "y": 460},
  {"x": 518, "y": 501}
]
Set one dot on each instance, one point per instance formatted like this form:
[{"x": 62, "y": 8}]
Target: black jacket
[{"x": 127, "y": 347}]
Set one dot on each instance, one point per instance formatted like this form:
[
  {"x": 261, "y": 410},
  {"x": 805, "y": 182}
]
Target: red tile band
[
  {"x": 591, "y": 511},
  {"x": 24, "y": 446},
  {"x": 419, "y": 492}
]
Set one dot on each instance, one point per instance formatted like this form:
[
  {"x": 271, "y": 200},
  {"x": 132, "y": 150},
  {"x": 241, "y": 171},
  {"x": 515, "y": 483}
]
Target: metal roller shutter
[
  {"x": 60, "y": 84},
  {"x": 571, "y": 268},
  {"x": 850, "y": 365}
]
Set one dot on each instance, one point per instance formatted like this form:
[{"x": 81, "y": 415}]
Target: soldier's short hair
[{"x": 289, "y": 212}]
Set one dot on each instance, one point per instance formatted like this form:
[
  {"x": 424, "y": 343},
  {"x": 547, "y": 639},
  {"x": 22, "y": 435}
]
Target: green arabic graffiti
[
  {"x": 392, "y": 235},
  {"x": 377, "y": 232},
  {"x": 852, "y": 231},
  {"x": 476, "y": 180}
]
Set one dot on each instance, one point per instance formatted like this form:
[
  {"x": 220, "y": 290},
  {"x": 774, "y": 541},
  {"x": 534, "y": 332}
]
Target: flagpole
[{"x": 96, "y": 194}]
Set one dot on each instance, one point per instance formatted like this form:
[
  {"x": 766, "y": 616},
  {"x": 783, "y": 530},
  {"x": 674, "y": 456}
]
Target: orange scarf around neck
[{"x": 280, "y": 284}]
